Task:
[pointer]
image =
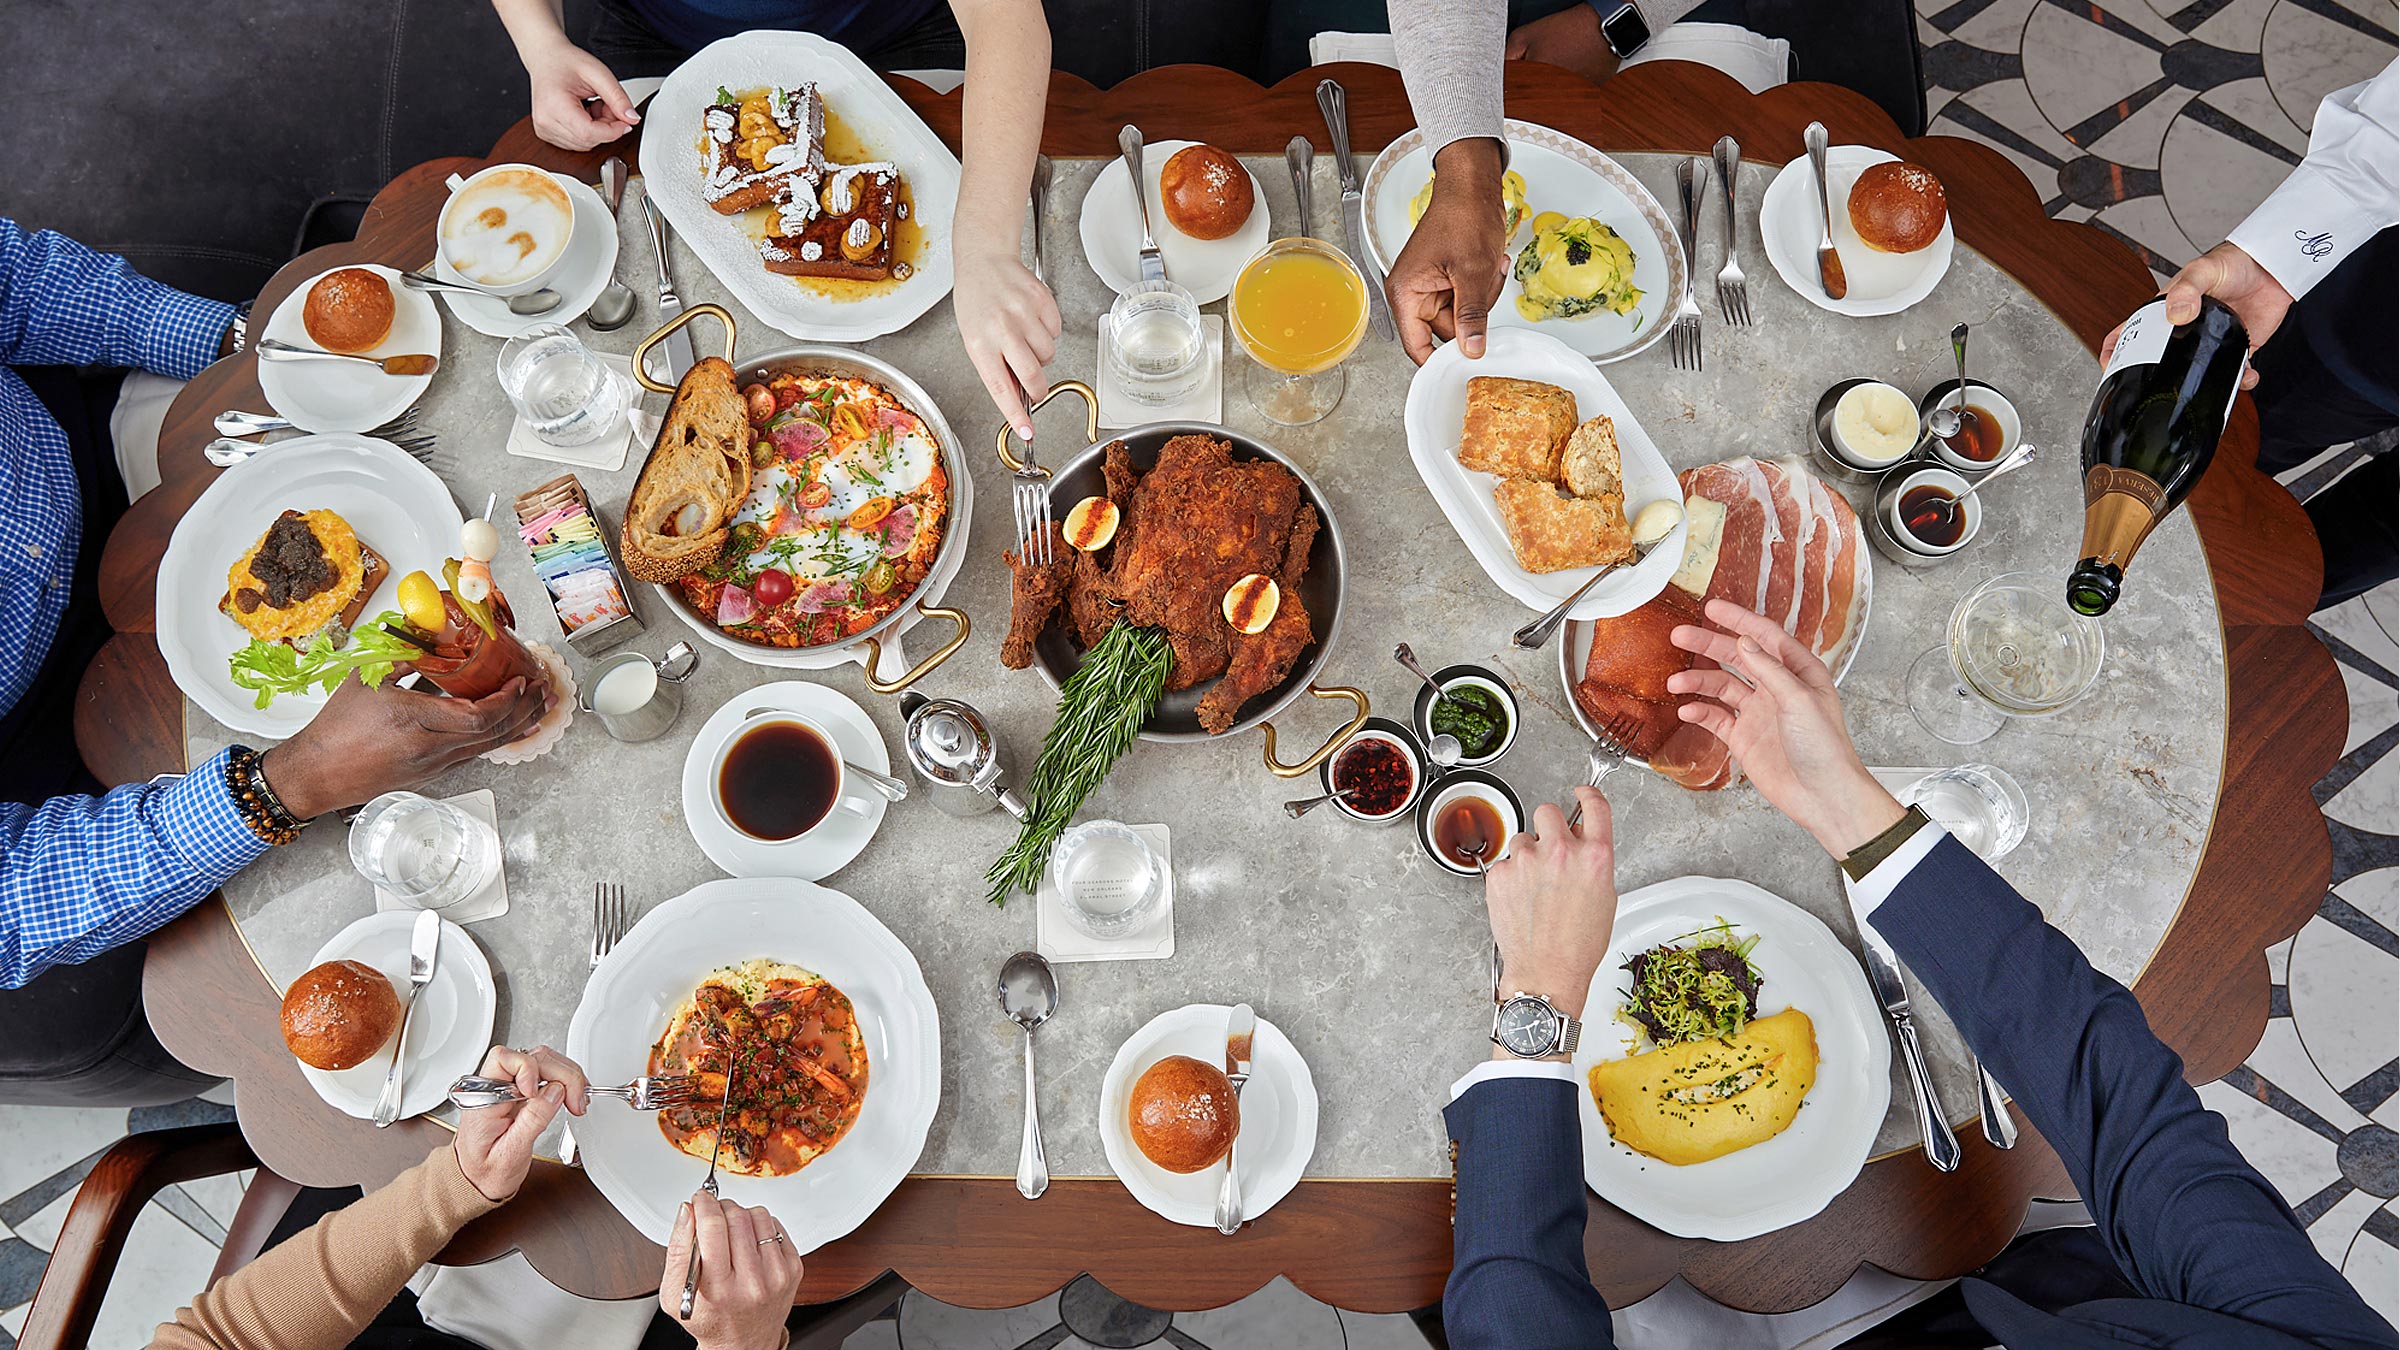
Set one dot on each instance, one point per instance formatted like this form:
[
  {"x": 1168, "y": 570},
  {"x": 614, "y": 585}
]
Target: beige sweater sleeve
[{"x": 319, "y": 1288}]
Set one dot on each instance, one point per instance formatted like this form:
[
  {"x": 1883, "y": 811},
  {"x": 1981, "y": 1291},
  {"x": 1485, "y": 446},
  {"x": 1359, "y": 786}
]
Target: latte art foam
[{"x": 507, "y": 226}]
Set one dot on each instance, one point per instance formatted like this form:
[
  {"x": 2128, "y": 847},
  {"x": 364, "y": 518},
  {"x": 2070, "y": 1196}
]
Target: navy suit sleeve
[
  {"x": 2186, "y": 1218},
  {"x": 1517, "y": 1275}
]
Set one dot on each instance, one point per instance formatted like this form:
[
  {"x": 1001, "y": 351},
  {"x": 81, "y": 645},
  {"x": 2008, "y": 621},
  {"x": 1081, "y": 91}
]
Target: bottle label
[
  {"x": 2103, "y": 479},
  {"x": 2143, "y": 339},
  {"x": 2120, "y": 509}
]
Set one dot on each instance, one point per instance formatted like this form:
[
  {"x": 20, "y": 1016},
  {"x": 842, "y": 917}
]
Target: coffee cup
[
  {"x": 505, "y": 228},
  {"x": 780, "y": 776}
]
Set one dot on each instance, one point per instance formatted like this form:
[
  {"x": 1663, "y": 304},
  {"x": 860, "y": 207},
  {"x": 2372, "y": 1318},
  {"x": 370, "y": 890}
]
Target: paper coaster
[
  {"x": 489, "y": 903},
  {"x": 1060, "y": 940},
  {"x": 605, "y": 453},
  {"x": 1206, "y": 403},
  {"x": 553, "y": 724}
]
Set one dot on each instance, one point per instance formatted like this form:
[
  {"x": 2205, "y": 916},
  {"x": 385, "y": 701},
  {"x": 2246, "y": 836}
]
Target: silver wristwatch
[{"x": 1530, "y": 1026}]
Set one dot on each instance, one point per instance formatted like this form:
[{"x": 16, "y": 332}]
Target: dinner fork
[
  {"x": 651, "y": 1092},
  {"x": 1029, "y": 494},
  {"x": 611, "y": 917},
  {"x": 1683, "y": 339},
  {"x": 1610, "y": 745},
  {"x": 226, "y": 451},
  {"x": 1733, "y": 289}
]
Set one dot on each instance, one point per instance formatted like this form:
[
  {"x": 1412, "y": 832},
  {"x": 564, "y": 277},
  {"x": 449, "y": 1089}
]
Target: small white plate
[
  {"x": 836, "y": 840},
  {"x": 343, "y": 395},
  {"x": 1112, "y": 232},
  {"x": 397, "y": 506},
  {"x": 654, "y": 968},
  {"x": 1279, "y": 1117},
  {"x": 1562, "y": 174},
  {"x": 1790, "y": 225},
  {"x": 1436, "y": 413},
  {"x": 590, "y": 263},
  {"x": 856, "y": 97},
  {"x": 1801, "y": 964},
  {"x": 448, "y": 1032}
]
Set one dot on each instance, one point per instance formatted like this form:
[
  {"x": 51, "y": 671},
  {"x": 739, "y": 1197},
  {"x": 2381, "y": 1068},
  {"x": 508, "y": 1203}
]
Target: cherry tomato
[
  {"x": 772, "y": 587},
  {"x": 815, "y": 495},
  {"x": 761, "y": 401}
]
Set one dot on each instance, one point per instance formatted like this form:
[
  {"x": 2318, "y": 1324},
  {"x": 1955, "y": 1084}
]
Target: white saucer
[
  {"x": 590, "y": 262},
  {"x": 448, "y": 1032},
  {"x": 1112, "y": 232},
  {"x": 1279, "y": 1117},
  {"x": 325, "y": 396},
  {"x": 1790, "y": 224},
  {"x": 822, "y": 851}
]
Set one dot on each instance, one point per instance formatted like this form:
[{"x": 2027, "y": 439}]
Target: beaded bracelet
[{"x": 262, "y": 811}]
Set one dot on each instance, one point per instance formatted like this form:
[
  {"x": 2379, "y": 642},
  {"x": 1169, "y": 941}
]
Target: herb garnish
[{"x": 1101, "y": 708}]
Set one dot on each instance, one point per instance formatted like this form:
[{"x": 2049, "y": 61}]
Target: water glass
[
  {"x": 1978, "y": 803},
  {"x": 1109, "y": 881},
  {"x": 563, "y": 391},
  {"x": 1155, "y": 343},
  {"x": 429, "y": 853}
]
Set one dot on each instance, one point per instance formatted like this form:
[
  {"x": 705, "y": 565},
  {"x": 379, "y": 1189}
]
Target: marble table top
[{"x": 1371, "y": 958}]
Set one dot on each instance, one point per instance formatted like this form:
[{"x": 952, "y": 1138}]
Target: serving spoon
[{"x": 1029, "y": 995}]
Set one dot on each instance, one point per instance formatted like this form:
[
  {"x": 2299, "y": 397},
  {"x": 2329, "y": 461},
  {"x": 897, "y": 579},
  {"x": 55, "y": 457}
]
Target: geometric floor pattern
[{"x": 2160, "y": 122}]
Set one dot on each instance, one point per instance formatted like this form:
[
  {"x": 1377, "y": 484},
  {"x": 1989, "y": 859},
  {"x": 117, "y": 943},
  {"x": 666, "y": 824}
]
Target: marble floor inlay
[{"x": 2160, "y": 122}]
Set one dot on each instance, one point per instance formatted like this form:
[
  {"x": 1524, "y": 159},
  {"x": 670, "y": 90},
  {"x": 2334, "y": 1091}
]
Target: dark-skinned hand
[
  {"x": 366, "y": 742},
  {"x": 1445, "y": 282}
]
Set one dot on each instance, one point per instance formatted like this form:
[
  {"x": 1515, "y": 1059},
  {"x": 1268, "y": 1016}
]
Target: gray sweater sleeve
[{"x": 1451, "y": 53}]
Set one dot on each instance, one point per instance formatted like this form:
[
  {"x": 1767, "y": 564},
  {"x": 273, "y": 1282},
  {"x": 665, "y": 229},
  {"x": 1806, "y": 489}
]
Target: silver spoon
[
  {"x": 614, "y": 305},
  {"x": 1445, "y": 750},
  {"x": 1958, "y": 348},
  {"x": 1408, "y": 658},
  {"x": 1301, "y": 156},
  {"x": 1301, "y": 807},
  {"x": 1940, "y": 425},
  {"x": 2017, "y": 459},
  {"x": 526, "y": 305},
  {"x": 889, "y": 788},
  {"x": 1029, "y": 995}
]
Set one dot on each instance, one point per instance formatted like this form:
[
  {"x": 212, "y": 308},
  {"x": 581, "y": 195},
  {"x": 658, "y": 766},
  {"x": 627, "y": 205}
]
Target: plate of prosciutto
[{"x": 1767, "y": 535}]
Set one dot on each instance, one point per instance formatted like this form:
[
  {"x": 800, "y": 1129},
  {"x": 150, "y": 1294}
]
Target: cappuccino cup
[{"x": 505, "y": 228}]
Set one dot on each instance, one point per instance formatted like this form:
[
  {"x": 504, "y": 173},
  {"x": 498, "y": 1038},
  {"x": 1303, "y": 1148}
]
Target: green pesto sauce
[{"x": 1475, "y": 715}]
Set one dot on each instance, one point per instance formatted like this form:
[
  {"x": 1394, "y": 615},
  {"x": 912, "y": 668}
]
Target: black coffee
[{"x": 779, "y": 780}]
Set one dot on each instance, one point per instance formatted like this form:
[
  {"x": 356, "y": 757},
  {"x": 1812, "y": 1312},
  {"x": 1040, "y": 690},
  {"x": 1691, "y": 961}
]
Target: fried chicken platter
[{"x": 1201, "y": 518}]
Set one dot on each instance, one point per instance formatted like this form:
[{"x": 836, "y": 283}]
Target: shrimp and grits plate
[{"x": 790, "y": 1042}]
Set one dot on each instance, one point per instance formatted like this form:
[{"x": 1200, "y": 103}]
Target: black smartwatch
[{"x": 1621, "y": 26}]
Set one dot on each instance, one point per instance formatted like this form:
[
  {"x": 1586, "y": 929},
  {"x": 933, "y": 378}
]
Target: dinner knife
[
  {"x": 679, "y": 343},
  {"x": 691, "y": 1268},
  {"x": 1829, "y": 263},
  {"x": 1129, "y": 145},
  {"x": 1335, "y": 104},
  {"x": 1240, "y": 1026},
  {"x": 1883, "y": 972},
  {"x": 424, "y": 946},
  {"x": 1040, "y": 187}
]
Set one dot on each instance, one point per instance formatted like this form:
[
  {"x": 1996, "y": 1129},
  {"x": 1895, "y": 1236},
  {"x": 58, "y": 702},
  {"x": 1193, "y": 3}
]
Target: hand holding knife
[{"x": 1240, "y": 1028}]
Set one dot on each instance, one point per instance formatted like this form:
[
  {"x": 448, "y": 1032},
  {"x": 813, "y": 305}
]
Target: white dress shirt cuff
[
  {"x": 1491, "y": 1069},
  {"x": 2304, "y": 229},
  {"x": 1869, "y": 892}
]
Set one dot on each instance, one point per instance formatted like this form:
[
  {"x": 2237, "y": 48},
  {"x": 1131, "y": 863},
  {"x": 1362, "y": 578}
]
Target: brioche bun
[
  {"x": 1898, "y": 207},
  {"x": 337, "y": 1015},
  {"x": 349, "y": 310},
  {"x": 1206, "y": 192},
  {"x": 1183, "y": 1114}
]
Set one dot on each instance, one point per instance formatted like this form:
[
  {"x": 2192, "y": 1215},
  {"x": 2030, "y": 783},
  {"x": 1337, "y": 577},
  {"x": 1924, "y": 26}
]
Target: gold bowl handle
[
  {"x": 924, "y": 667},
  {"x": 1091, "y": 419},
  {"x": 1282, "y": 770},
  {"x": 641, "y": 354}
]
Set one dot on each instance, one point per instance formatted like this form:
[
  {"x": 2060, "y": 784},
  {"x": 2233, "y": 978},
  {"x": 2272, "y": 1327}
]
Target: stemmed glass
[
  {"x": 2014, "y": 650},
  {"x": 1299, "y": 309}
]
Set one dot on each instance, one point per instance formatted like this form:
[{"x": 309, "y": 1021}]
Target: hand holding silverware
[
  {"x": 495, "y": 1146},
  {"x": 749, "y": 1273}
]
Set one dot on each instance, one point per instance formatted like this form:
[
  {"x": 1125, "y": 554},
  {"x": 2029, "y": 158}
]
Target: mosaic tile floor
[{"x": 2160, "y": 123}]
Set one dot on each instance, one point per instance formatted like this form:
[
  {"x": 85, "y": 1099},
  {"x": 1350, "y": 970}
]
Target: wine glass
[
  {"x": 2014, "y": 650},
  {"x": 1299, "y": 309}
]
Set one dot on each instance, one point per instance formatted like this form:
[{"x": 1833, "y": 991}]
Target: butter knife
[
  {"x": 1041, "y": 211},
  {"x": 1335, "y": 104},
  {"x": 678, "y": 345},
  {"x": 1240, "y": 1027},
  {"x": 1829, "y": 263},
  {"x": 1883, "y": 972},
  {"x": 424, "y": 948},
  {"x": 1129, "y": 144}
]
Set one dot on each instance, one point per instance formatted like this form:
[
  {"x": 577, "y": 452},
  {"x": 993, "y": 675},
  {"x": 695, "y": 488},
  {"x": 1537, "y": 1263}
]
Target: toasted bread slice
[
  {"x": 1551, "y": 533},
  {"x": 732, "y": 185},
  {"x": 846, "y": 232},
  {"x": 1515, "y": 428},
  {"x": 698, "y": 472},
  {"x": 1591, "y": 464}
]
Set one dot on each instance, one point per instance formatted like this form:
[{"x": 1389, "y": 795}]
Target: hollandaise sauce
[
  {"x": 1572, "y": 267},
  {"x": 1299, "y": 310}
]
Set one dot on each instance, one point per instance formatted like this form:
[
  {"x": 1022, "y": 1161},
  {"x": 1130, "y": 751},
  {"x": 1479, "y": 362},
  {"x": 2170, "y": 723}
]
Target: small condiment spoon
[
  {"x": 1029, "y": 995},
  {"x": 1445, "y": 750},
  {"x": 1408, "y": 658},
  {"x": 1301, "y": 807},
  {"x": 2017, "y": 459},
  {"x": 1940, "y": 425}
]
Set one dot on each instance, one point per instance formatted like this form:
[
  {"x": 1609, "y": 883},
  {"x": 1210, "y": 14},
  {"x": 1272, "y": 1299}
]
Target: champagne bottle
[{"x": 2153, "y": 428}]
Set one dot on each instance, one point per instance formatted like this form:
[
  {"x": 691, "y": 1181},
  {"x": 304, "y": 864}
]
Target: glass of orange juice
[{"x": 1299, "y": 308}]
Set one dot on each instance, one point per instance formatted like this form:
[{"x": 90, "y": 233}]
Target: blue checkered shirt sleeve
[
  {"x": 79, "y": 875},
  {"x": 61, "y": 304}
]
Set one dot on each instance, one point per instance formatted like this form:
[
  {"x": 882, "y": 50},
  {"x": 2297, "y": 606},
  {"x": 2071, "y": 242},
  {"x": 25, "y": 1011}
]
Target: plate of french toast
[{"x": 804, "y": 184}]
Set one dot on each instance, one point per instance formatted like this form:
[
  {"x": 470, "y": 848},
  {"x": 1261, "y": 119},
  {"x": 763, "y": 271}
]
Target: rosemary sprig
[{"x": 1101, "y": 709}]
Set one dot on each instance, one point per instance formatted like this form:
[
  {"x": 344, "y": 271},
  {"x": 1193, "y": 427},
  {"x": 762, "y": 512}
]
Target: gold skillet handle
[
  {"x": 641, "y": 354},
  {"x": 1282, "y": 770},
  {"x": 925, "y": 667},
  {"x": 1091, "y": 419}
]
